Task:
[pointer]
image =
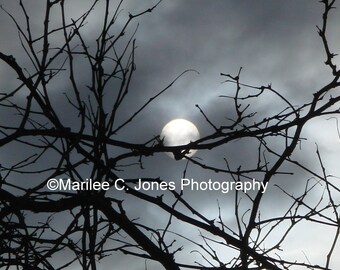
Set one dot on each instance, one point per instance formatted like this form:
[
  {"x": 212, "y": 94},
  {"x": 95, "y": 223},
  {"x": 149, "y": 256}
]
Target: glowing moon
[{"x": 179, "y": 132}]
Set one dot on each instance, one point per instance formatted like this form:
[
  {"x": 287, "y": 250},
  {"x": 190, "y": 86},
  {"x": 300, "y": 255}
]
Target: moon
[{"x": 179, "y": 132}]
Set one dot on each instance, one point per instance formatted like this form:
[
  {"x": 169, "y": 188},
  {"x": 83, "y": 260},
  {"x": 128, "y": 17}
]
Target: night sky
[{"x": 275, "y": 42}]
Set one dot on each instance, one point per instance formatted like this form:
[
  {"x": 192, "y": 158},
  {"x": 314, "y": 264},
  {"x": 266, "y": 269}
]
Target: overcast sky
[{"x": 274, "y": 41}]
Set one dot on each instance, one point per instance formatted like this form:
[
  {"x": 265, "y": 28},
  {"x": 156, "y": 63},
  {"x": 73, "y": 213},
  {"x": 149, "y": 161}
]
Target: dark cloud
[{"x": 275, "y": 41}]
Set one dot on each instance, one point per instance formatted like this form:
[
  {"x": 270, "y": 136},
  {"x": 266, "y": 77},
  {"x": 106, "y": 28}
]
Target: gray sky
[{"x": 274, "y": 41}]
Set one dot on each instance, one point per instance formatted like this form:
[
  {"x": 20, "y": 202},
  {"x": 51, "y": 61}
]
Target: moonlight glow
[{"x": 180, "y": 132}]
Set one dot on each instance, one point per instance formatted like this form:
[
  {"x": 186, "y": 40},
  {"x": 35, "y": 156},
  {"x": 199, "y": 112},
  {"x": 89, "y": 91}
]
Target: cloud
[{"x": 275, "y": 42}]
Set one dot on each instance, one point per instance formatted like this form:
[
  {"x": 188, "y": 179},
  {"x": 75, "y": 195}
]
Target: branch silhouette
[{"x": 81, "y": 139}]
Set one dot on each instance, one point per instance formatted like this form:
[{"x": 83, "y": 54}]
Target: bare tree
[{"x": 96, "y": 221}]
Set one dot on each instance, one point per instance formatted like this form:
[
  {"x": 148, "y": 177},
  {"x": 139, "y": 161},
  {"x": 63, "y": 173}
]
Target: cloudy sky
[{"x": 273, "y": 41}]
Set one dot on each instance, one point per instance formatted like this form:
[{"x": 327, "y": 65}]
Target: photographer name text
[{"x": 89, "y": 184}]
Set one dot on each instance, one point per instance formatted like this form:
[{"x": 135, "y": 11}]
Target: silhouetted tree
[{"x": 48, "y": 144}]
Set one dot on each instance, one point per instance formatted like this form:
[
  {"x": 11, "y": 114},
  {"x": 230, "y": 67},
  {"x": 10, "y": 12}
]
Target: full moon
[{"x": 179, "y": 132}]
